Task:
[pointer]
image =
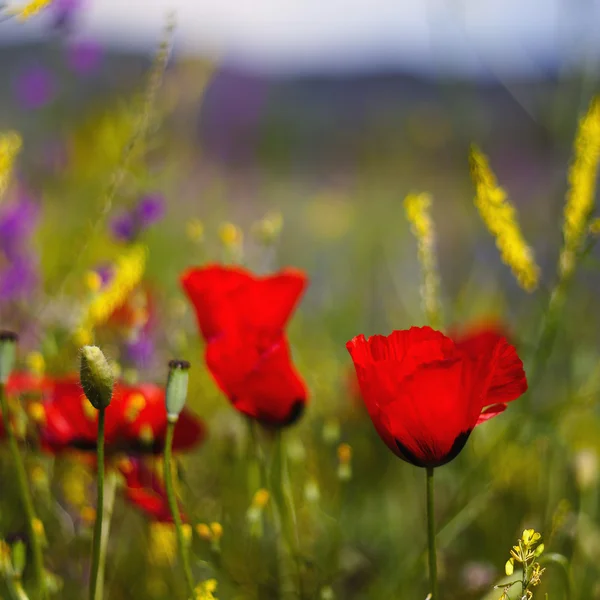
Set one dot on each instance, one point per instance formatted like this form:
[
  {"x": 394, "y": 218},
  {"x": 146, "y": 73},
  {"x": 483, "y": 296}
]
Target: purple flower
[
  {"x": 106, "y": 272},
  {"x": 140, "y": 351},
  {"x": 150, "y": 209},
  {"x": 17, "y": 223},
  {"x": 65, "y": 12},
  {"x": 35, "y": 87},
  {"x": 123, "y": 227},
  {"x": 84, "y": 56},
  {"x": 18, "y": 279},
  {"x": 128, "y": 225}
]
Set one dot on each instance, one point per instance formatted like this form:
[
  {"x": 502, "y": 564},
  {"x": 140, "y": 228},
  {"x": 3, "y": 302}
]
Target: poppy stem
[
  {"x": 97, "y": 540},
  {"x": 107, "y": 509},
  {"x": 32, "y": 521},
  {"x": 168, "y": 476},
  {"x": 433, "y": 582},
  {"x": 288, "y": 544}
]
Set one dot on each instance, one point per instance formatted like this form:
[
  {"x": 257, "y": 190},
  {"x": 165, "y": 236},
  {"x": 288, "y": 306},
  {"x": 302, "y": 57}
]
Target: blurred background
[{"x": 327, "y": 114}]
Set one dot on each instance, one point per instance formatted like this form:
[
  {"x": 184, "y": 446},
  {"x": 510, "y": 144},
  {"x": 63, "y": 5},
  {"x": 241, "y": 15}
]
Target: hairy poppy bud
[
  {"x": 96, "y": 377},
  {"x": 177, "y": 386},
  {"x": 8, "y": 353}
]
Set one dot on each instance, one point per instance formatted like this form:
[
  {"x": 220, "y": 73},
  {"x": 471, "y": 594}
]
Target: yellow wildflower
[
  {"x": 206, "y": 590},
  {"x": 162, "y": 548},
  {"x": 231, "y": 235},
  {"x": 203, "y": 531},
  {"x": 10, "y": 144},
  {"x": 36, "y": 363},
  {"x": 261, "y": 498},
  {"x": 582, "y": 179},
  {"x": 31, "y": 9},
  {"x": 128, "y": 274},
  {"x": 500, "y": 217},
  {"x": 417, "y": 207}
]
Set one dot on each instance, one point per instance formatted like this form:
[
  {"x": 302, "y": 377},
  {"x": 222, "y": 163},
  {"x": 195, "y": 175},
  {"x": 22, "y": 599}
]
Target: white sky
[{"x": 495, "y": 36}]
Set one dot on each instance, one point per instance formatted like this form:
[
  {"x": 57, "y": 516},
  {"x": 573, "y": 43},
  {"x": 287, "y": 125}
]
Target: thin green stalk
[
  {"x": 36, "y": 548},
  {"x": 433, "y": 582},
  {"x": 288, "y": 544},
  {"x": 168, "y": 474},
  {"x": 107, "y": 511},
  {"x": 97, "y": 540}
]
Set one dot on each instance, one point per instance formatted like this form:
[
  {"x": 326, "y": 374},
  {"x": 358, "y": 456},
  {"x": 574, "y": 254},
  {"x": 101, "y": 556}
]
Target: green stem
[
  {"x": 107, "y": 512},
  {"x": 288, "y": 544},
  {"x": 97, "y": 540},
  {"x": 562, "y": 562},
  {"x": 36, "y": 548},
  {"x": 433, "y": 582},
  {"x": 168, "y": 474}
]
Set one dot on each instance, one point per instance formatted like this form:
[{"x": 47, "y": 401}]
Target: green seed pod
[
  {"x": 177, "y": 387},
  {"x": 8, "y": 354},
  {"x": 96, "y": 377}
]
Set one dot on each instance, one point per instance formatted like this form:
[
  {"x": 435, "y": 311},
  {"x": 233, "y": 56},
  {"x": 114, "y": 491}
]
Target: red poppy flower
[
  {"x": 136, "y": 420},
  {"x": 426, "y": 392},
  {"x": 242, "y": 319},
  {"x": 145, "y": 490}
]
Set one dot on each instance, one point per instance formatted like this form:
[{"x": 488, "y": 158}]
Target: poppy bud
[
  {"x": 177, "y": 387},
  {"x": 8, "y": 353},
  {"x": 96, "y": 377}
]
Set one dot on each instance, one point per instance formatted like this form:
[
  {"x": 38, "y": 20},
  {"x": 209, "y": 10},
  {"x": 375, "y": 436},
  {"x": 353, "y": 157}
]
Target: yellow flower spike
[
  {"x": 500, "y": 217},
  {"x": 417, "y": 207},
  {"x": 37, "y": 412},
  {"x": 88, "y": 514},
  {"x": 162, "y": 547},
  {"x": 203, "y": 531},
  {"x": 10, "y": 145},
  {"x": 38, "y": 528},
  {"x": 31, "y": 9},
  {"x": 216, "y": 530},
  {"x": 582, "y": 179},
  {"x": 527, "y": 536},
  {"x": 344, "y": 452},
  {"x": 261, "y": 498},
  {"x": 93, "y": 281},
  {"x": 231, "y": 235},
  {"x": 129, "y": 271},
  {"x": 36, "y": 363},
  {"x": 194, "y": 230},
  {"x": 206, "y": 590}
]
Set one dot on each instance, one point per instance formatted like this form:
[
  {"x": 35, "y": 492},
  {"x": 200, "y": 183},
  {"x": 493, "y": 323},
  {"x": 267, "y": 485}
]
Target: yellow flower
[
  {"x": 417, "y": 207},
  {"x": 10, "y": 144},
  {"x": 582, "y": 179},
  {"x": 129, "y": 271},
  {"x": 231, "y": 235},
  {"x": 36, "y": 363},
  {"x": 261, "y": 498},
  {"x": 500, "y": 217},
  {"x": 344, "y": 453},
  {"x": 31, "y": 9},
  {"x": 162, "y": 547},
  {"x": 206, "y": 590}
]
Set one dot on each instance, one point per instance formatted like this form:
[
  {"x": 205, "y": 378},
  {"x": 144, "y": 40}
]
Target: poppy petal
[{"x": 490, "y": 412}]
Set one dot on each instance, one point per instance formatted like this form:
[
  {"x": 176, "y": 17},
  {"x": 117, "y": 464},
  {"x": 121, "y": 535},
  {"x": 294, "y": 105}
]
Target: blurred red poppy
[
  {"x": 242, "y": 319},
  {"x": 136, "y": 420},
  {"x": 425, "y": 392},
  {"x": 145, "y": 490}
]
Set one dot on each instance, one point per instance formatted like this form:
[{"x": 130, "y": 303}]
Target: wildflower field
[{"x": 292, "y": 357}]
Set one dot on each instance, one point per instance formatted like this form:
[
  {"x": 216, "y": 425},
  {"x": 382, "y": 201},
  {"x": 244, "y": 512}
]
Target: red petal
[
  {"x": 489, "y": 346},
  {"x": 491, "y": 412},
  {"x": 263, "y": 386},
  {"x": 408, "y": 349},
  {"x": 145, "y": 490},
  {"x": 209, "y": 289},
  {"x": 229, "y": 298}
]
